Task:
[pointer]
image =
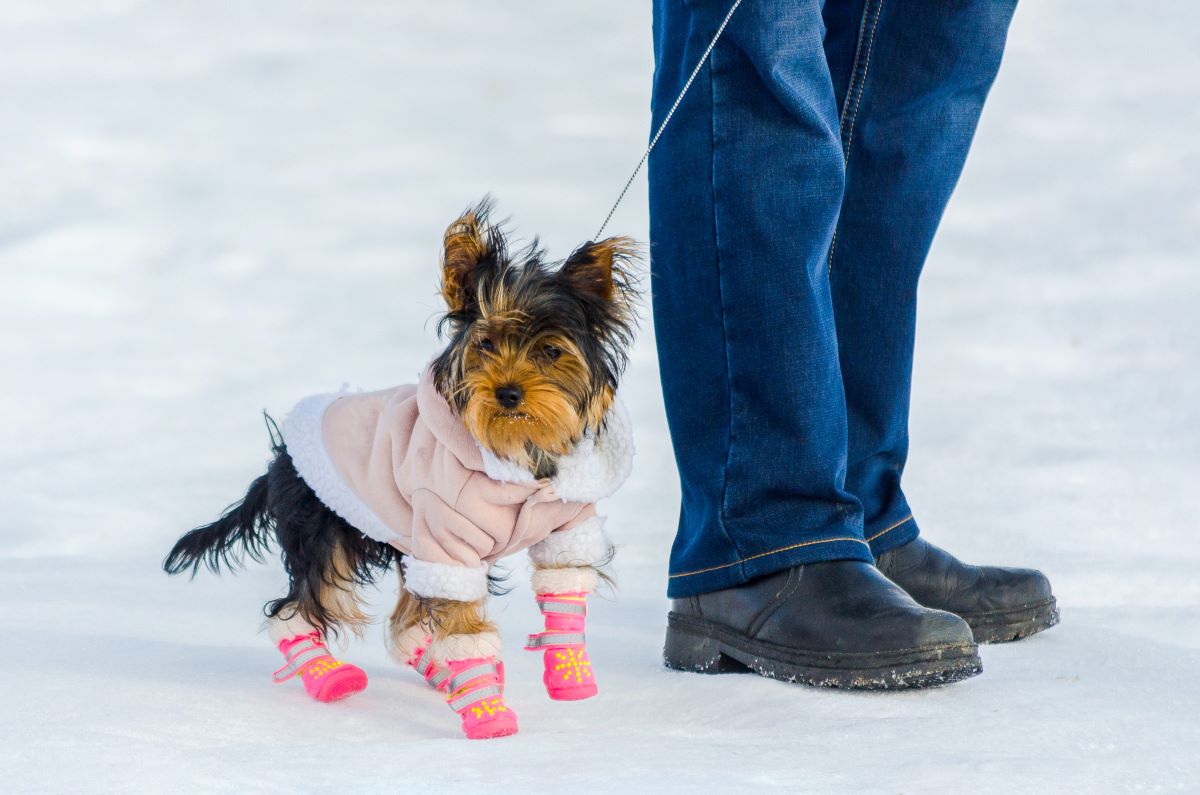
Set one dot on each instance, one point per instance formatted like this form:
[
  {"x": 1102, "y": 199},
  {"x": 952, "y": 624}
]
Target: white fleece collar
[{"x": 594, "y": 469}]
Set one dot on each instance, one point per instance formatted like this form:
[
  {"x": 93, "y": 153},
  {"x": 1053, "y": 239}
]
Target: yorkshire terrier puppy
[{"x": 505, "y": 443}]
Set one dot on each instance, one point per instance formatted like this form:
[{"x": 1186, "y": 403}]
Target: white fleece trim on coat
[
  {"x": 465, "y": 647},
  {"x": 303, "y": 433},
  {"x": 574, "y": 579},
  {"x": 586, "y": 544},
  {"x": 599, "y": 464},
  {"x": 445, "y": 580},
  {"x": 594, "y": 469},
  {"x": 502, "y": 469}
]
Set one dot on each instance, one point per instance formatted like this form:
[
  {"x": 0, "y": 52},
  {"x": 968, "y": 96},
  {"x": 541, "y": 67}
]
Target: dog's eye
[
  {"x": 486, "y": 344},
  {"x": 551, "y": 352}
]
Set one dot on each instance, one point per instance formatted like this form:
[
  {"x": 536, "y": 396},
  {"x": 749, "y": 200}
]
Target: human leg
[
  {"x": 911, "y": 80},
  {"x": 768, "y": 567},
  {"x": 744, "y": 193}
]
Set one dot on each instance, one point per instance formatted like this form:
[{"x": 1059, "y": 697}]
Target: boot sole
[
  {"x": 338, "y": 687},
  {"x": 1003, "y": 626},
  {"x": 700, "y": 646}
]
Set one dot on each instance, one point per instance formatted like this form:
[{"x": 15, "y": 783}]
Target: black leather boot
[
  {"x": 999, "y": 604},
  {"x": 837, "y": 624}
]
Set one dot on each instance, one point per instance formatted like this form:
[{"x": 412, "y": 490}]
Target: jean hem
[
  {"x": 739, "y": 572},
  {"x": 892, "y": 535}
]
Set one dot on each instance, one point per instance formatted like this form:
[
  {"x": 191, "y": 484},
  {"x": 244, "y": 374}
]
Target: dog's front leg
[
  {"x": 409, "y": 637},
  {"x": 567, "y": 568},
  {"x": 465, "y": 647},
  {"x": 464, "y": 657}
]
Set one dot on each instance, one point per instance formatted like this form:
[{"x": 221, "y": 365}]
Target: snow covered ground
[{"x": 210, "y": 209}]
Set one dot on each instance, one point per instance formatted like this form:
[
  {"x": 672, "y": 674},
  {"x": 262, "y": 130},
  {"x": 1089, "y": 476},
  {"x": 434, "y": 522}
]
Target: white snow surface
[{"x": 208, "y": 209}]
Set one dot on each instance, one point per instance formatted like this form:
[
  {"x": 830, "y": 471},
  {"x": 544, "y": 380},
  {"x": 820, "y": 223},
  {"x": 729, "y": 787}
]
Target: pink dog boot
[
  {"x": 325, "y": 678},
  {"x": 437, "y": 675},
  {"x": 568, "y": 675},
  {"x": 474, "y": 692}
]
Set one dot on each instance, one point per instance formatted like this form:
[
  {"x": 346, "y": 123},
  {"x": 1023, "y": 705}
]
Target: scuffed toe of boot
[
  {"x": 939, "y": 628},
  {"x": 1000, "y": 604}
]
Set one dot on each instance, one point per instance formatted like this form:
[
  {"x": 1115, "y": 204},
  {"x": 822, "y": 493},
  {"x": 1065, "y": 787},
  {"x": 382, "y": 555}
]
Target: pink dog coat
[{"x": 400, "y": 466}]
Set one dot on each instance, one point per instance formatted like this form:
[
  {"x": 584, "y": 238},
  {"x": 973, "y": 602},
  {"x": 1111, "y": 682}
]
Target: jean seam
[
  {"x": 862, "y": 32},
  {"x": 887, "y": 530},
  {"x": 712, "y": 106},
  {"x": 857, "y": 86},
  {"x": 862, "y": 84},
  {"x": 788, "y": 548}
]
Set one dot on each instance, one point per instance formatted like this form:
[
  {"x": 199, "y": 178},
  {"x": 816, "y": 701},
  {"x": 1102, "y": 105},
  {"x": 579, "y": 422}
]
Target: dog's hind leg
[
  {"x": 305, "y": 654},
  {"x": 326, "y": 560},
  {"x": 302, "y": 644}
]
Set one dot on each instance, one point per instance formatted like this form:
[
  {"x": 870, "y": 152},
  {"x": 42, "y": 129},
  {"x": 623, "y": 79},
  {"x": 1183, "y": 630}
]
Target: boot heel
[{"x": 685, "y": 651}]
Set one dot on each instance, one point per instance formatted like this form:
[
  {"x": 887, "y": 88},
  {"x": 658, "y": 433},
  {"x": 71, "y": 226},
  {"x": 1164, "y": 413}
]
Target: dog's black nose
[{"x": 509, "y": 395}]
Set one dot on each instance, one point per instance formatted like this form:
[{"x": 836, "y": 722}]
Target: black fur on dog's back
[{"x": 320, "y": 550}]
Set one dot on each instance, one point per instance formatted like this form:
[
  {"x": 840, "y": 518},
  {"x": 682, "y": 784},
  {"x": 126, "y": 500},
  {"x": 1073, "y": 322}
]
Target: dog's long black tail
[
  {"x": 244, "y": 529},
  {"x": 325, "y": 558}
]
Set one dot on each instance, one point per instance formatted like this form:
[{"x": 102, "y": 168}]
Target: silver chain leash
[{"x": 665, "y": 121}]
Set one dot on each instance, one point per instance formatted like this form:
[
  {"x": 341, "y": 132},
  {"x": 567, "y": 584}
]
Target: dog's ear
[
  {"x": 598, "y": 268},
  {"x": 471, "y": 245}
]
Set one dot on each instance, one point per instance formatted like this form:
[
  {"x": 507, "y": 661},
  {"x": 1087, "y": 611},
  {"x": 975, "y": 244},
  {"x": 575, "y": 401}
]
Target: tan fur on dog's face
[
  {"x": 535, "y": 353},
  {"x": 549, "y": 371}
]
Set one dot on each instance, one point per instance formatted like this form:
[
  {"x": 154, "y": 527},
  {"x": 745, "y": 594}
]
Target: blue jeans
[{"x": 793, "y": 200}]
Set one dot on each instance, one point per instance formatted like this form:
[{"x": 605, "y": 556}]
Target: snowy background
[{"x": 207, "y": 209}]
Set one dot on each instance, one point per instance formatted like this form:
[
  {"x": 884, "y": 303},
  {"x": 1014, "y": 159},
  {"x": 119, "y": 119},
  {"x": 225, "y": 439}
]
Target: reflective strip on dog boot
[
  {"x": 568, "y": 672},
  {"x": 436, "y": 675},
  {"x": 554, "y": 640},
  {"x": 568, "y": 604},
  {"x": 325, "y": 678},
  {"x": 475, "y": 693},
  {"x": 424, "y": 664}
]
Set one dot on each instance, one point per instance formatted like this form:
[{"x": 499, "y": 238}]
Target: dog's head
[{"x": 535, "y": 350}]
